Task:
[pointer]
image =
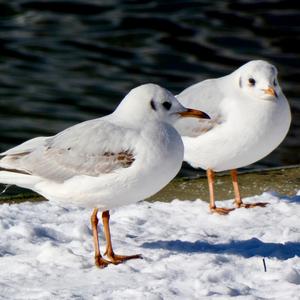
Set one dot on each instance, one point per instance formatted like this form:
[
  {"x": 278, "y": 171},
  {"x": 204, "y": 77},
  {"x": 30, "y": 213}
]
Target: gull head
[
  {"x": 151, "y": 102},
  {"x": 258, "y": 79}
]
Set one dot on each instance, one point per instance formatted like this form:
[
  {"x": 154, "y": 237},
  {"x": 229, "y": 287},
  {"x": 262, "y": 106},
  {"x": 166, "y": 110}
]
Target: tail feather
[{"x": 18, "y": 178}]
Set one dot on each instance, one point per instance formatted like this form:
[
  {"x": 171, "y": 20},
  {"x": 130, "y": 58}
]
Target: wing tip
[{"x": 15, "y": 171}]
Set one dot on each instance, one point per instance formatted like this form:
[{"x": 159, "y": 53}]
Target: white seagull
[
  {"x": 105, "y": 163},
  {"x": 250, "y": 116}
]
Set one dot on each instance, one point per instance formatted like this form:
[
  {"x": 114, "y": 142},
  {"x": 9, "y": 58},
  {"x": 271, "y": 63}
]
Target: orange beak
[
  {"x": 270, "y": 91},
  {"x": 194, "y": 113}
]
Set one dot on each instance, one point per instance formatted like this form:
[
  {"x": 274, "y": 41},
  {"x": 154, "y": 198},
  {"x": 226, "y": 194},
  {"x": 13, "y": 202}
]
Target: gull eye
[
  {"x": 167, "y": 105},
  {"x": 251, "y": 81}
]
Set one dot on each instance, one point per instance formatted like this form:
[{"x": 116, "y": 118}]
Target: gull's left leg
[
  {"x": 114, "y": 258},
  {"x": 212, "y": 205},
  {"x": 237, "y": 196}
]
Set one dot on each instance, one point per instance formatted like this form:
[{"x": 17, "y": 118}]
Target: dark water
[{"x": 63, "y": 62}]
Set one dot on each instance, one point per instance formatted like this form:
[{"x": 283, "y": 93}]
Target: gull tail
[
  {"x": 17, "y": 177},
  {"x": 12, "y": 171}
]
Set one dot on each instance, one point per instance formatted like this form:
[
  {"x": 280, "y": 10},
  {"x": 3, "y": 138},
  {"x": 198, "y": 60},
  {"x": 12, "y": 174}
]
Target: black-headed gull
[
  {"x": 115, "y": 160},
  {"x": 250, "y": 117}
]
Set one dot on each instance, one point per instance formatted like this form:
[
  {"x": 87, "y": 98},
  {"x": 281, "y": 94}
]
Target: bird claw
[
  {"x": 251, "y": 205},
  {"x": 101, "y": 263},
  {"x": 117, "y": 259},
  {"x": 226, "y": 211},
  {"x": 221, "y": 210}
]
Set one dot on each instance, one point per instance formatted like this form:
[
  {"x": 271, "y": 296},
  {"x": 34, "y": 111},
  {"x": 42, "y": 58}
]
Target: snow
[{"x": 46, "y": 252}]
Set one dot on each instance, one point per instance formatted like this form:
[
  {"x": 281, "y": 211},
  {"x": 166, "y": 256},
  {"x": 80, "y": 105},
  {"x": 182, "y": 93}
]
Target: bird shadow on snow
[
  {"x": 293, "y": 199},
  {"x": 247, "y": 248},
  {"x": 290, "y": 199}
]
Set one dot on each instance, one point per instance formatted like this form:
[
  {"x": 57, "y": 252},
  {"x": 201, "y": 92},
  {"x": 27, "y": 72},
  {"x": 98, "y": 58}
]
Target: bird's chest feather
[
  {"x": 162, "y": 146},
  {"x": 253, "y": 120}
]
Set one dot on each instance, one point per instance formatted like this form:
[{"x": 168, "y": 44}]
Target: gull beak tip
[
  {"x": 205, "y": 116},
  {"x": 270, "y": 91},
  {"x": 194, "y": 113}
]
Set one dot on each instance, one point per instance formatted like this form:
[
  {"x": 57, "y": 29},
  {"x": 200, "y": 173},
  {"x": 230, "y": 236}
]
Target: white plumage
[
  {"x": 250, "y": 116},
  {"x": 107, "y": 162}
]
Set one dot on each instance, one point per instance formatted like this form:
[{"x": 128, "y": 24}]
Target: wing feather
[
  {"x": 90, "y": 148},
  {"x": 25, "y": 147},
  {"x": 205, "y": 96}
]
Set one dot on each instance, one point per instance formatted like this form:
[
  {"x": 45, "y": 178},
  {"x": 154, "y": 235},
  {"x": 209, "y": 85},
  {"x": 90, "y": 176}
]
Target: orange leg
[
  {"x": 237, "y": 196},
  {"x": 211, "y": 179},
  {"x": 99, "y": 260},
  {"x": 114, "y": 258}
]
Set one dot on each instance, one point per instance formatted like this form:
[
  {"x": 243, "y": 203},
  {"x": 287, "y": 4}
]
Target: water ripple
[{"x": 63, "y": 62}]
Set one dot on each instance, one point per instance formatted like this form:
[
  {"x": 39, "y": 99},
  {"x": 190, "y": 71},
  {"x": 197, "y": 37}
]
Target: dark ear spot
[
  {"x": 240, "y": 82},
  {"x": 167, "y": 105},
  {"x": 153, "y": 105}
]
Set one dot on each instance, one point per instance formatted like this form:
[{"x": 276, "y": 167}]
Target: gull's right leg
[
  {"x": 114, "y": 258},
  {"x": 100, "y": 262},
  {"x": 211, "y": 180},
  {"x": 237, "y": 196}
]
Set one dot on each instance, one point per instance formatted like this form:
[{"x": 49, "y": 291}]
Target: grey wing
[
  {"x": 205, "y": 96},
  {"x": 90, "y": 148},
  {"x": 9, "y": 160},
  {"x": 26, "y": 147}
]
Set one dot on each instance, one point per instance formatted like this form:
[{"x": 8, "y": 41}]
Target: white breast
[
  {"x": 249, "y": 132},
  {"x": 159, "y": 155}
]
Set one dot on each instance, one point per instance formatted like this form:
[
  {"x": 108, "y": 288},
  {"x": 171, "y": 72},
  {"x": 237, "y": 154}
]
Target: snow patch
[{"x": 46, "y": 251}]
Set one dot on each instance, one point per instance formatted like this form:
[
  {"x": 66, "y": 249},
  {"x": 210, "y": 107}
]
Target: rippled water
[{"x": 62, "y": 62}]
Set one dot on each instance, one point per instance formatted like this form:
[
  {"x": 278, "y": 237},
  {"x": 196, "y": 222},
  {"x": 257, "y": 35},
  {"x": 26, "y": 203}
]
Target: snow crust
[{"x": 46, "y": 251}]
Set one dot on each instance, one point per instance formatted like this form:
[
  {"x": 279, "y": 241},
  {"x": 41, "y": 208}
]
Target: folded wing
[
  {"x": 91, "y": 148},
  {"x": 206, "y": 96}
]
